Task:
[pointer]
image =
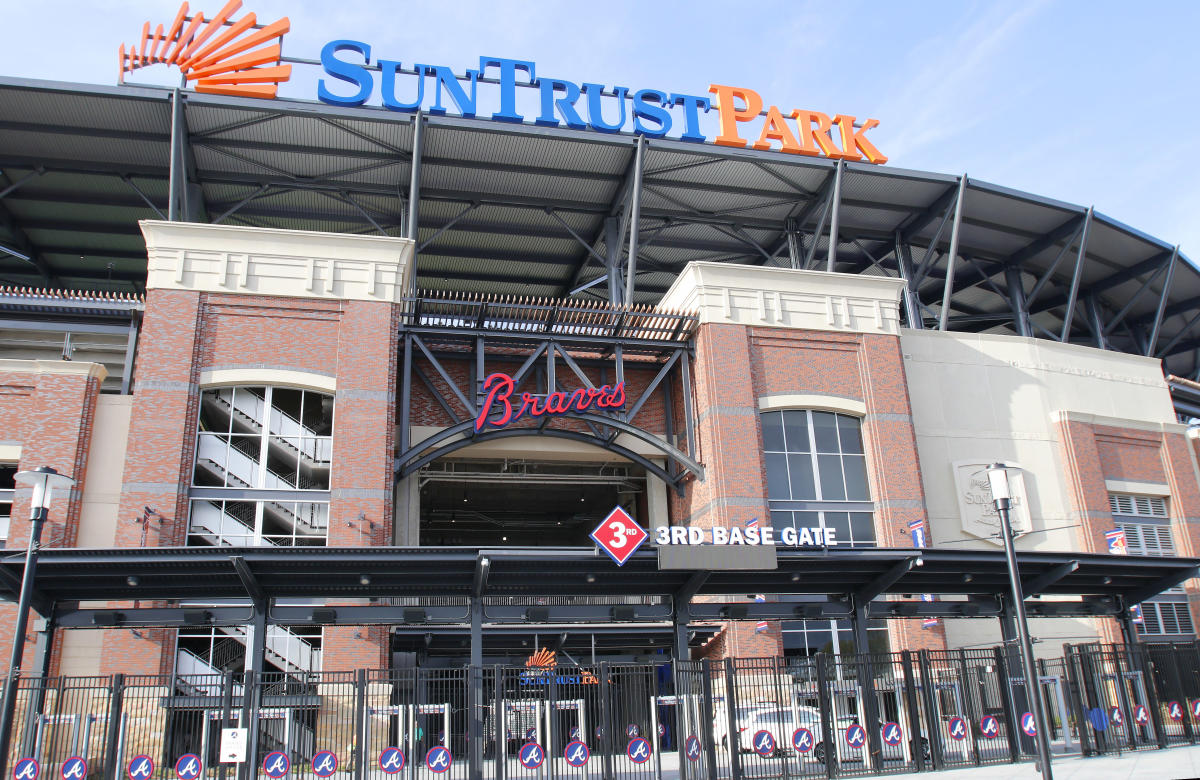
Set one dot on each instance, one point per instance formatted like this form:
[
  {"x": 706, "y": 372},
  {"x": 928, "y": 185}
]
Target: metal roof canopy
[
  {"x": 522, "y": 209},
  {"x": 201, "y": 574}
]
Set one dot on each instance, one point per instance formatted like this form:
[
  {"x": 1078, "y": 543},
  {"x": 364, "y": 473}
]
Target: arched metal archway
[{"x": 421, "y": 456}]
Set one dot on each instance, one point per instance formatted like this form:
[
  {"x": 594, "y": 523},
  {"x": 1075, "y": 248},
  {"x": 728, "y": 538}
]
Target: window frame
[
  {"x": 1136, "y": 515},
  {"x": 259, "y": 497},
  {"x": 823, "y": 508}
]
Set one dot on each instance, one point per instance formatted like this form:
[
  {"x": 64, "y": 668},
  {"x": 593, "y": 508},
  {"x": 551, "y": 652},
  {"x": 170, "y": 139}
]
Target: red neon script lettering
[{"x": 498, "y": 389}]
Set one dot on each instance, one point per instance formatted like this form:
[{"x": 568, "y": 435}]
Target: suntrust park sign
[{"x": 654, "y": 113}]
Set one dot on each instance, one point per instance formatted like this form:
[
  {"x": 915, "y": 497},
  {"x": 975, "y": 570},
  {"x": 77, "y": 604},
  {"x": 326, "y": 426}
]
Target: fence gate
[{"x": 741, "y": 719}]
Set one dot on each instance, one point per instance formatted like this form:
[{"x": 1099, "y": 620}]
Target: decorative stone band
[
  {"x": 787, "y": 298},
  {"x": 80, "y": 368},
  {"x": 259, "y": 261}
]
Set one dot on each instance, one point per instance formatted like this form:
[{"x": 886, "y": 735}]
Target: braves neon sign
[{"x": 499, "y": 388}]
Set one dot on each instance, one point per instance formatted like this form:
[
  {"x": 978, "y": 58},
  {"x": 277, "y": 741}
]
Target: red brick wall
[
  {"x": 185, "y": 333},
  {"x": 1092, "y": 454},
  {"x": 51, "y": 415},
  {"x": 736, "y": 365}
]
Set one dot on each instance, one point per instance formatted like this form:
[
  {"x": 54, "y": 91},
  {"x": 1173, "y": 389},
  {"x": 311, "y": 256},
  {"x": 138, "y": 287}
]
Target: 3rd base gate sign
[{"x": 620, "y": 536}]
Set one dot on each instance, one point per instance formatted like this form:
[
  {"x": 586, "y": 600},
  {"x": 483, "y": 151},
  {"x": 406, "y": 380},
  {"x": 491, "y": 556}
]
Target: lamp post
[
  {"x": 1002, "y": 498},
  {"x": 44, "y": 480}
]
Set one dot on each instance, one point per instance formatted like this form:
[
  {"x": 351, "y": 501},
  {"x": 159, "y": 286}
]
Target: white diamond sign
[{"x": 619, "y": 535}]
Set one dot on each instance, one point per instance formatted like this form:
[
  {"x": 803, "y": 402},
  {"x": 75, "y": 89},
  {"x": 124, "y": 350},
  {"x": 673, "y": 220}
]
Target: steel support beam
[
  {"x": 953, "y": 254},
  {"x": 16, "y": 185},
  {"x": 881, "y": 584},
  {"x": 1069, "y": 317},
  {"x": 1152, "y": 343},
  {"x": 1017, "y": 301},
  {"x": 912, "y": 301},
  {"x": 414, "y": 192},
  {"x": 176, "y": 179},
  {"x": 1036, "y": 585},
  {"x": 1155, "y": 588},
  {"x": 835, "y": 216},
  {"x": 635, "y": 208},
  {"x": 25, "y": 250}
]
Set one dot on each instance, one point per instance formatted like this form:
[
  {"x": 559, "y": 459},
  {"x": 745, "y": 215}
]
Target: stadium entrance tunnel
[{"x": 524, "y": 503}]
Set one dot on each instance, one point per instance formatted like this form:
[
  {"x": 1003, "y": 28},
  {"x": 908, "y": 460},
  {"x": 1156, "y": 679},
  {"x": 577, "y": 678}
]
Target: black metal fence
[{"x": 742, "y": 719}]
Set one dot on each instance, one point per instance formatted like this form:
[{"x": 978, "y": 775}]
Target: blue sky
[{"x": 1093, "y": 103}]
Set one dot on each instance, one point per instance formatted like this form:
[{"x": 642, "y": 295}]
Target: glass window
[
  {"x": 256, "y": 444},
  {"x": 1147, "y": 527},
  {"x": 816, "y": 458},
  {"x": 8, "y": 484}
]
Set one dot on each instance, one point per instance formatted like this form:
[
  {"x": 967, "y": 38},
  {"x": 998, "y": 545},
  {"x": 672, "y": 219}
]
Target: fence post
[
  {"x": 779, "y": 668},
  {"x": 605, "y": 741},
  {"x": 1150, "y": 682},
  {"x": 226, "y": 715},
  {"x": 1078, "y": 704},
  {"x": 500, "y": 723},
  {"x": 360, "y": 723},
  {"x": 113, "y": 742},
  {"x": 825, "y": 701},
  {"x": 968, "y": 694},
  {"x": 914, "y": 712},
  {"x": 1180, "y": 693},
  {"x": 1014, "y": 748},
  {"x": 710, "y": 744},
  {"x": 929, "y": 694},
  {"x": 734, "y": 737}
]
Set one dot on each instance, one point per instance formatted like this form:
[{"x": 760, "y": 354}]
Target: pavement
[{"x": 1170, "y": 764}]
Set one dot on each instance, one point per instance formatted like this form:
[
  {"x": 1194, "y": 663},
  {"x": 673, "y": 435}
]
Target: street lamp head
[
  {"x": 998, "y": 481},
  {"x": 44, "y": 480}
]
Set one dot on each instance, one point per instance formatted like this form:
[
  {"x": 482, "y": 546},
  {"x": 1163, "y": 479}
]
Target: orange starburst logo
[
  {"x": 541, "y": 659},
  {"x": 240, "y": 59}
]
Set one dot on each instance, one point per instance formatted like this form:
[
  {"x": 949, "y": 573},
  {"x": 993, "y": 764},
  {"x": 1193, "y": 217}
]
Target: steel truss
[
  {"x": 442, "y": 333},
  {"x": 629, "y": 241}
]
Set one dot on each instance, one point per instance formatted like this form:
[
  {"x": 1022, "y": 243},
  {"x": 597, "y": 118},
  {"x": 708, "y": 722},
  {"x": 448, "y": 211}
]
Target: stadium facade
[{"x": 349, "y": 388}]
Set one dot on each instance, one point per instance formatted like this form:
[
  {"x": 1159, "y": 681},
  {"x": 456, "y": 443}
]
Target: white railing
[
  {"x": 282, "y": 643},
  {"x": 228, "y": 461},
  {"x": 318, "y": 450},
  {"x": 199, "y": 676},
  {"x": 216, "y": 526}
]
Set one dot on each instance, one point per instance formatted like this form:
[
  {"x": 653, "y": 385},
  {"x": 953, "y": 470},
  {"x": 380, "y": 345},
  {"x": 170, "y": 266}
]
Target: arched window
[
  {"x": 817, "y": 477},
  {"x": 817, "y": 474},
  {"x": 262, "y": 466}
]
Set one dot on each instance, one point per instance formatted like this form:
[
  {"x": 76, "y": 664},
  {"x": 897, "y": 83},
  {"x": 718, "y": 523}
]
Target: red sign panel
[{"x": 619, "y": 535}]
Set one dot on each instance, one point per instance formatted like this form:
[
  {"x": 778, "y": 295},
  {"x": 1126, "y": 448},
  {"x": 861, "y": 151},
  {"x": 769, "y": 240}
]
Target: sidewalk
[{"x": 1171, "y": 764}]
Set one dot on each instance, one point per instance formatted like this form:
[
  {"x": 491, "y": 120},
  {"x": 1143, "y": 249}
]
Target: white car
[
  {"x": 721, "y": 721},
  {"x": 781, "y": 723}
]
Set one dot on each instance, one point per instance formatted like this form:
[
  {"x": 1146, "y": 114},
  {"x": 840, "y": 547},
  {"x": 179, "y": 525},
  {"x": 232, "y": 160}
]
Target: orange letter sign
[{"x": 731, "y": 115}]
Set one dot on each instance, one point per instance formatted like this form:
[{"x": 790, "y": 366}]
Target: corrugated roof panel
[
  {"x": 50, "y": 147},
  {"x": 730, "y": 173},
  {"x": 537, "y": 151},
  {"x": 486, "y": 183},
  {"x": 986, "y": 240},
  {"x": 293, "y": 164},
  {"x": 204, "y": 118},
  {"x": 1000, "y": 209},
  {"x": 1110, "y": 242},
  {"x": 864, "y": 217},
  {"x": 508, "y": 242},
  {"x": 330, "y": 135},
  {"x": 75, "y": 110},
  {"x": 431, "y": 261},
  {"x": 876, "y": 185},
  {"x": 515, "y": 287}
]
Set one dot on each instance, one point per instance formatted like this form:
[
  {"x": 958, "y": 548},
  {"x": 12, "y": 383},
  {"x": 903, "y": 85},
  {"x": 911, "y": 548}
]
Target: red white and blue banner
[
  {"x": 1117, "y": 543},
  {"x": 917, "y": 529}
]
